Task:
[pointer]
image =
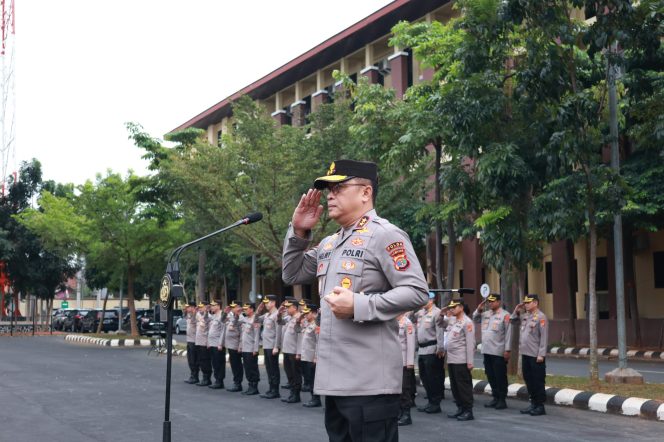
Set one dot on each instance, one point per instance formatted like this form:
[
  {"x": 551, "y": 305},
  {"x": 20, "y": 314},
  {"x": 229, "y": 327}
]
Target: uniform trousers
[
  {"x": 192, "y": 359},
  {"x": 250, "y": 362},
  {"x": 362, "y": 418},
  {"x": 204, "y": 359},
  {"x": 496, "y": 372},
  {"x": 534, "y": 374},
  {"x": 432, "y": 373},
  {"x": 407, "y": 388},
  {"x": 218, "y": 358},
  {"x": 308, "y": 372},
  {"x": 272, "y": 367},
  {"x": 293, "y": 370},
  {"x": 461, "y": 384},
  {"x": 235, "y": 359}
]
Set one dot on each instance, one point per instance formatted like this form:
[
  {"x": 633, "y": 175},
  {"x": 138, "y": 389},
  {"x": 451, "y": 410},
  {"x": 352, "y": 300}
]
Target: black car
[
  {"x": 140, "y": 312},
  {"x": 59, "y": 319},
  {"x": 90, "y": 321},
  {"x": 73, "y": 320}
]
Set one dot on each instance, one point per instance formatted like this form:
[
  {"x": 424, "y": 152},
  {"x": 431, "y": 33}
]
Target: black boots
[
  {"x": 193, "y": 379},
  {"x": 235, "y": 388},
  {"x": 252, "y": 390},
  {"x": 272, "y": 393},
  {"x": 314, "y": 402},
  {"x": 306, "y": 388},
  {"x": 501, "y": 404},
  {"x": 456, "y": 414},
  {"x": 528, "y": 409},
  {"x": 286, "y": 386},
  {"x": 467, "y": 415},
  {"x": 293, "y": 398},
  {"x": 217, "y": 385},
  {"x": 205, "y": 381},
  {"x": 492, "y": 404},
  {"x": 404, "y": 418},
  {"x": 538, "y": 410},
  {"x": 430, "y": 408}
]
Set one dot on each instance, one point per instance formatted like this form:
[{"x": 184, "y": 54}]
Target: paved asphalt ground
[
  {"x": 55, "y": 391},
  {"x": 651, "y": 371}
]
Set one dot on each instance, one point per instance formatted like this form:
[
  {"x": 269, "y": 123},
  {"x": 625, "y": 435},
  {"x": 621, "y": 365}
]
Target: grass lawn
[{"x": 647, "y": 391}]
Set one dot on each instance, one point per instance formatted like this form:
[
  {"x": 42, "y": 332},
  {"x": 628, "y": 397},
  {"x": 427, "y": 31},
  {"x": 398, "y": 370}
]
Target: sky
[{"x": 84, "y": 68}]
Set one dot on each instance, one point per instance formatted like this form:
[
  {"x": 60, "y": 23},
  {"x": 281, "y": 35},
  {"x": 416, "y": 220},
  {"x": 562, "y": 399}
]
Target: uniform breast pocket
[{"x": 348, "y": 272}]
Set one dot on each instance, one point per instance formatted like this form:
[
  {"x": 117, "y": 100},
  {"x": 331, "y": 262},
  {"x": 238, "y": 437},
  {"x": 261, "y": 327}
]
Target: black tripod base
[{"x": 167, "y": 431}]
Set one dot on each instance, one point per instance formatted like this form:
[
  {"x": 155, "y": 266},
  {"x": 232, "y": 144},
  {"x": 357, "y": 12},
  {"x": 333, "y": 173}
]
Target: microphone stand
[{"x": 177, "y": 291}]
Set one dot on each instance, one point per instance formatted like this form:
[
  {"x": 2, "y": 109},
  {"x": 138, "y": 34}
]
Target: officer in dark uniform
[
  {"x": 367, "y": 275},
  {"x": 533, "y": 339}
]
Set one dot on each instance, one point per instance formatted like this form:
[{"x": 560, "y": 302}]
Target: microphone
[{"x": 252, "y": 218}]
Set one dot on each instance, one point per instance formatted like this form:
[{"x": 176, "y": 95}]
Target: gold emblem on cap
[{"x": 332, "y": 169}]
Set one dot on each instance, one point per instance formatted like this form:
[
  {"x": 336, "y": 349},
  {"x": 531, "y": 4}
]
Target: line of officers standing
[
  {"x": 291, "y": 329},
  {"x": 430, "y": 334}
]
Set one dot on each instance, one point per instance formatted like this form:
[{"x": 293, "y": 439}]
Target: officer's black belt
[{"x": 428, "y": 343}]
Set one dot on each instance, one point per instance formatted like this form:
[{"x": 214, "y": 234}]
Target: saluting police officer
[
  {"x": 232, "y": 343},
  {"x": 407, "y": 339},
  {"x": 496, "y": 341},
  {"x": 533, "y": 340},
  {"x": 367, "y": 274},
  {"x": 268, "y": 315},
  {"x": 430, "y": 355},
  {"x": 202, "y": 324},
  {"x": 192, "y": 354},
  {"x": 215, "y": 344},
  {"x": 310, "y": 333},
  {"x": 249, "y": 346},
  {"x": 292, "y": 365},
  {"x": 460, "y": 351},
  {"x": 284, "y": 317}
]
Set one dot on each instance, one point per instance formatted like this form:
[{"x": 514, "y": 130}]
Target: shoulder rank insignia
[
  {"x": 362, "y": 222},
  {"x": 397, "y": 251},
  {"x": 328, "y": 246}
]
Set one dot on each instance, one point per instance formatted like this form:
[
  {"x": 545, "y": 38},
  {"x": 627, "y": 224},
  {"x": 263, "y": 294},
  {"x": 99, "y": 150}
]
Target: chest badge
[
  {"x": 348, "y": 265},
  {"x": 357, "y": 241},
  {"x": 328, "y": 246},
  {"x": 346, "y": 283}
]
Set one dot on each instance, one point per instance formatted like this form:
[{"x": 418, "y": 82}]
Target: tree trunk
[
  {"x": 200, "y": 280},
  {"x": 439, "y": 227},
  {"x": 630, "y": 282},
  {"x": 451, "y": 253},
  {"x": 103, "y": 313},
  {"x": 592, "y": 303},
  {"x": 49, "y": 308},
  {"x": 506, "y": 289},
  {"x": 572, "y": 272},
  {"x": 130, "y": 301}
]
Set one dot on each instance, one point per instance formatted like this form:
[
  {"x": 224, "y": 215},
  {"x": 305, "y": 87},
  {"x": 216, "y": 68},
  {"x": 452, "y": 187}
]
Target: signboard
[
  {"x": 64, "y": 304},
  {"x": 485, "y": 290}
]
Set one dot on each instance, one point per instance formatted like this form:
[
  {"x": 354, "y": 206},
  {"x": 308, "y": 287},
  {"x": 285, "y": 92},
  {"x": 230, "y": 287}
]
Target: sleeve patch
[
  {"x": 397, "y": 251},
  {"x": 507, "y": 318},
  {"x": 542, "y": 322},
  {"x": 410, "y": 329},
  {"x": 469, "y": 327}
]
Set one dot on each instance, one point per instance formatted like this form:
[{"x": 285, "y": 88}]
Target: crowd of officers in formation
[{"x": 430, "y": 334}]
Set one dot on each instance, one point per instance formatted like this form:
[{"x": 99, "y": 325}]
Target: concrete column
[
  {"x": 472, "y": 269},
  {"x": 371, "y": 72},
  {"x": 298, "y": 110},
  {"x": 399, "y": 73},
  {"x": 560, "y": 275},
  {"x": 319, "y": 97},
  {"x": 280, "y": 116}
]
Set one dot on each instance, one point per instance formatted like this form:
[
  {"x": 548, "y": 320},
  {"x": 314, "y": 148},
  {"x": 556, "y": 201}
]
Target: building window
[
  {"x": 602, "y": 274},
  {"x": 219, "y": 134},
  {"x": 658, "y": 267},
  {"x": 461, "y": 278},
  {"x": 548, "y": 275}
]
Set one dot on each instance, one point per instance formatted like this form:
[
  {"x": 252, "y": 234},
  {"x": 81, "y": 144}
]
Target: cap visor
[{"x": 323, "y": 181}]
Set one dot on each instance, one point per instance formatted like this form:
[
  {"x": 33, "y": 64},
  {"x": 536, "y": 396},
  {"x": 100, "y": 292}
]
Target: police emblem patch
[
  {"x": 328, "y": 246},
  {"x": 346, "y": 283},
  {"x": 357, "y": 241},
  {"x": 320, "y": 267},
  {"x": 332, "y": 169},
  {"x": 348, "y": 265},
  {"x": 397, "y": 251}
]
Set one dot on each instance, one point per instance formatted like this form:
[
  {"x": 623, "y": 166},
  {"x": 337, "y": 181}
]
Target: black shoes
[
  {"x": 467, "y": 415},
  {"x": 293, "y": 398},
  {"x": 235, "y": 388},
  {"x": 501, "y": 405},
  {"x": 432, "y": 409},
  {"x": 273, "y": 393},
  {"x": 192, "y": 380},
  {"x": 314, "y": 402},
  {"x": 492, "y": 404},
  {"x": 252, "y": 390},
  {"x": 217, "y": 385},
  {"x": 456, "y": 414},
  {"x": 538, "y": 410},
  {"x": 286, "y": 386},
  {"x": 404, "y": 418},
  {"x": 205, "y": 381},
  {"x": 527, "y": 410},
  {"x": 306, "y": 388}
]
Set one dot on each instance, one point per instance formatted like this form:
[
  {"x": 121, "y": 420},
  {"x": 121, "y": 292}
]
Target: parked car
[
  {"x": 140, "y": 312},
  {"x": 73, "y": 320},
  {"x": 91, "y": 321},
  {"x": 59, "y": 319},
  {"x": 180, "y": 326}
]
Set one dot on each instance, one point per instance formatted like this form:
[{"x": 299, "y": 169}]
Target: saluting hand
[
  {"x": 307, "y": 213},
  {"x": 341, "y": 302}
]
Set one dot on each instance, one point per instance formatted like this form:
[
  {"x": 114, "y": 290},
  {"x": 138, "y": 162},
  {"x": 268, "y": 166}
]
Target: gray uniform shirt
[
  {"x": 191, "y": 326},
  {"x": 534, "y": 333},
  {"x": 291, "y": 329},
  {"x": 407, "y": 339},
  {"x": 202, "y": 324},
  {"x": 271, "y": 329},
  {"x": 251, "y": 334},
  {"x": 232, "y": 333},
  {"x": 496, "y": 331},
  {"x": 309, "y": 342},
  {"x": 376, "y": 261},
  {"x": 461, "y": 341},
  {"x": 215, "y": 330},
  {"x": 429, "y": 333}
]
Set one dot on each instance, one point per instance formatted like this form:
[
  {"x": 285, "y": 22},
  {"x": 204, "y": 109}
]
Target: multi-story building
[{"x": 298, "y": 87}]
